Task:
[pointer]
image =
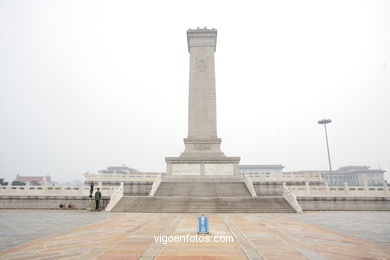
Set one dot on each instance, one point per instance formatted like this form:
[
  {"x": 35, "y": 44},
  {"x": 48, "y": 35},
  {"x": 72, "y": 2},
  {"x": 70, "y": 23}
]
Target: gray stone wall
[
  {"x": 139, "y": 188},
  {"x": 344, "y": 203},
  {"x": 268, "y": 188},
  {"x": 48, "y": 202}
]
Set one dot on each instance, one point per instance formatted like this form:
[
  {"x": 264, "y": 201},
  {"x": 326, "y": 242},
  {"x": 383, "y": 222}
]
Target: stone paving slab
[
  {"x": 18, "y": 226},
  {"x": 256, "y": 236},
  {"x": 370, "y": 225}
]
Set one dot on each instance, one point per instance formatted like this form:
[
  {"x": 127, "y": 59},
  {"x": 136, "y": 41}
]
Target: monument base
[
  {"x": 184, "y": 166},
  {"x": 203, "y": 194}
]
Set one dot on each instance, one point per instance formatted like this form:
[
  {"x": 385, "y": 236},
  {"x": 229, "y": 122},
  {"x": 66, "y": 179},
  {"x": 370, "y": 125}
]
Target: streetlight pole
[{"x": 325, "y": 122}]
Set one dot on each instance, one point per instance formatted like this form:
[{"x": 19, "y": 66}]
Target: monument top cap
[
  {"x": 201, "y": 37},
  {"x": 204, "y": 28}
]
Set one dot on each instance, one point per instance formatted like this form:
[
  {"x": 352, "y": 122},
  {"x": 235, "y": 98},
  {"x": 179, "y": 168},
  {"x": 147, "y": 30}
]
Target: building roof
[
  {"x": 119, "y": 169},
  {"x": 308, "y": 171},
  {"x": 348, "y": 168},
  {"x": 33, "y": 178},
  {"x": 356, "y": 170}
]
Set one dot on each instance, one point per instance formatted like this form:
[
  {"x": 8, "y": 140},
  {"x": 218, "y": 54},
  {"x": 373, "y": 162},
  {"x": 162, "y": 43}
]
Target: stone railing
[
  {"x": 291, "y": 199},
  {"x": 58, "y": 190},
  {"x": 156, "y": 184},
  {"x": 249, "y": 186},
  {"x": 101, "y": 181},
  {"x": 285, "y": 176},
  {"x": 326, "y": 190},
  {"x": 298, "y": 190},
  {"x": 103, "y": 177},
  {"x": 115, "y": 197}
]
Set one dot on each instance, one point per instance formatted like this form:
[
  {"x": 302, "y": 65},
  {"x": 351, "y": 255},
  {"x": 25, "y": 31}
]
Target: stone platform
[
  {"x": 255, "y": 236},
  {"x": 196, "y": 187},
  {"x": 204, "y": 195},
  {"x": 203, "y": 205}
]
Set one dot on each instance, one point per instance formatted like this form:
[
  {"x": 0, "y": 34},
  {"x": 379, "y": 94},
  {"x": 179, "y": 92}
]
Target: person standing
[
  {"x": 91, "y": 189},
  {"x": 98, "y": 196}
]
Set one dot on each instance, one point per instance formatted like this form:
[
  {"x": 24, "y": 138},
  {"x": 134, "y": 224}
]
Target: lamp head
[{"x": 324, "y": 121}]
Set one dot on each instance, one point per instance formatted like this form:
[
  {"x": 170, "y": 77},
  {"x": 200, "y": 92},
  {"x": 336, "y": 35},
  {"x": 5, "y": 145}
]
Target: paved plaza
[
  {"x": 369, "y": 225},
  {"x": 19, "y": 226},
  {"x": 86, "y": 235}
]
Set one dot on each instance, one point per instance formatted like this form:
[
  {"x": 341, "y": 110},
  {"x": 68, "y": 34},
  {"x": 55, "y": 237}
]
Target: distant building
[
  {"x": 114, "y": 175},
  {"x": 118, "y": 170},
  {"x": 355, "y": 176},
  {"x": 275, "y": 172},
  {"x": 33, "y": 179},
  {"x": 72, "y": 183},
  {"x": 2, "y": 183},
  {"x": 307, "y": 176},
  {"x": 18, "y": 183},
  {"x": 258, "y": 169}
]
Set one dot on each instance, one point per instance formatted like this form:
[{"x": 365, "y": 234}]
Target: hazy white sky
[{"x": 89, "y": 84}]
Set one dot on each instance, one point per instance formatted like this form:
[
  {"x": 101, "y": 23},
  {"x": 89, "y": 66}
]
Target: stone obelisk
[{"x": 202, "y": 154}]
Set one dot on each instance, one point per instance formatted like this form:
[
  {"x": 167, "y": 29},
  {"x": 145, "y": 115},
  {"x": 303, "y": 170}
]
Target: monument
[
  {"x": 202, "y": 179},
  {"x": 202, "y": 155}
]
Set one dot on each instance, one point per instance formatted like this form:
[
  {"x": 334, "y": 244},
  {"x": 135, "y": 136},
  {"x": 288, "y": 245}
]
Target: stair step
[
  {"x": 202, "y": 194},
  {"x": 203, "y": 189},
  {"x": 204, "y": 204}
]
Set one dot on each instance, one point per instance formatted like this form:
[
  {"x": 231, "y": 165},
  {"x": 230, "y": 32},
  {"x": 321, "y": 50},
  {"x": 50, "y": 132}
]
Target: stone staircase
[
  {"x": 204, "y": 205},
  {"x": 203, "y": 195},
  {"x": 196, "y": 189}
]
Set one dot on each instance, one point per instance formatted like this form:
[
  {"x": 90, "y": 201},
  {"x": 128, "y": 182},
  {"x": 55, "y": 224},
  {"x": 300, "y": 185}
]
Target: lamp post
[{"x": 325, "y": 122}]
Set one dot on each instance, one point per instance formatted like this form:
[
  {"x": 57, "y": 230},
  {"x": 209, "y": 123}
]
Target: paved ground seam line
[{"x": 248, "y": 248}]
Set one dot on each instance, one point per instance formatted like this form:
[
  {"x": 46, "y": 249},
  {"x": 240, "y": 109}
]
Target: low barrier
[
  {"x": 49, "y": 202},
  {"x": 115, "y": 198},
  {"x": 141, "y": 176},
  {"x": 291, "y": 199},
  {"x": 344, "y": 203},
  {"x": 353, "y": 191},
  {"x": 59, "y": 190}
]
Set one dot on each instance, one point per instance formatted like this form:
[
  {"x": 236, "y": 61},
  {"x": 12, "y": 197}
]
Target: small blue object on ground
[{"x": 203, "y": 224}]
